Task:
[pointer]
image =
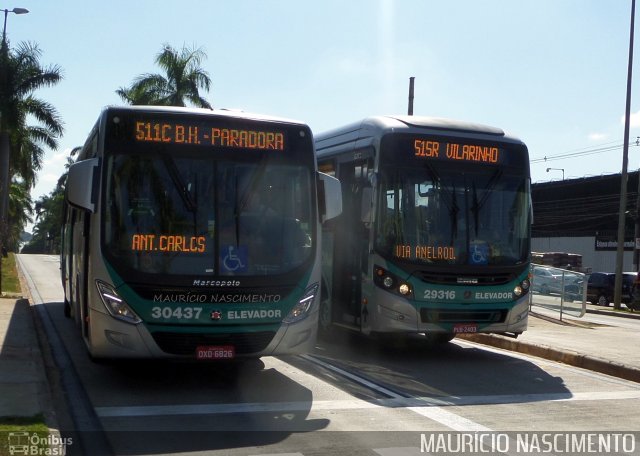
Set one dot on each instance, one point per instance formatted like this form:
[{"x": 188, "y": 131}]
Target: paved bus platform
[
  {"x": 26, "y": 391},
  {"x": 611, "y": 350}
]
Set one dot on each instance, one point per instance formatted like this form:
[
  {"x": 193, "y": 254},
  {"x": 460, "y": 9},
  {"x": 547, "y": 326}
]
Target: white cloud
[
  {"x": 597, "y": 136},
  {"x": 635, "y": 120},
  {"x": 49, "y": 178},
  {"x": 57, "y": 158}
]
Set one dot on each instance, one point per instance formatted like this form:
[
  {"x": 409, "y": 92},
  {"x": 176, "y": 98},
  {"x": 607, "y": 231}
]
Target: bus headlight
[
  {"x": 115, "y": 305},
  {"x": 522, "y": 288},
  {"x": 391, "y": 282},
  {"x": 301, "y": 310}
]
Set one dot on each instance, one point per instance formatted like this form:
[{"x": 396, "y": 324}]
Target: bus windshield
[
  {"x": 448, "y": 215},
  {"x": 199, "y": 215}
]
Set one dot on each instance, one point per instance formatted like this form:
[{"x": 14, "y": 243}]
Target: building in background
[{"x": 580, "y": 216}]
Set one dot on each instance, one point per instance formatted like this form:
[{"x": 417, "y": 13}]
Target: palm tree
[
  {"x": 20, "y": 210},
  {"x": 181, "y": 83},
  {"x": 46, "y": 232},
  {"x": 21, "y": 145},
  {"x": 29, "y": 142}
]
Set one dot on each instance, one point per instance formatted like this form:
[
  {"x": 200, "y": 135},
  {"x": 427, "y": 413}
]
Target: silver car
[{"x": 545, "y": 281}]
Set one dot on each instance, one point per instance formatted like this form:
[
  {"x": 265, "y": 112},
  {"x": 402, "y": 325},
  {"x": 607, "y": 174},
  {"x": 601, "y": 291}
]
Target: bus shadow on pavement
[{"x": 416, "y": 368}]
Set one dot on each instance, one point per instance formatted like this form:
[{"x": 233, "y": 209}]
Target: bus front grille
[
  {"x": 452, "y": 278},
  {"x": 462, "y": 316},
  {"x": 186, "y": 344}
]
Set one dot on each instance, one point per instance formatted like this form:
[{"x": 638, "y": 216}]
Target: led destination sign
[
  {"x": 424, "y": 148},
  {"x": 208, "y": 135},
  {"x": 168, "y": 243}
]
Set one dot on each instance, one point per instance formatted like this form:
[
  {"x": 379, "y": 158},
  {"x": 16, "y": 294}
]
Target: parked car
[
  {"x": 600, "y": 287},
  {"x": 574, "y": 288},
  {"x": 544, "y": 281}
]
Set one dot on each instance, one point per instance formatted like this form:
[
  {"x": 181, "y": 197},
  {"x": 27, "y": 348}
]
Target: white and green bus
[
  {"x": 195, "y": 233},
  {"x": 434, "y": 237}
]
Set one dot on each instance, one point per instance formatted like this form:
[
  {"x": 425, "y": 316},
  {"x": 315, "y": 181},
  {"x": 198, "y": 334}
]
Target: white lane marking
[
  {"x": 280, "y": 454},
  {"x": 449, "y": 419},
  {"x": 398, "y": 451},
  {"x": 430, "y": 407},
  {"x": 219, "y": 409},
  {"x": 525, "y": 398}
]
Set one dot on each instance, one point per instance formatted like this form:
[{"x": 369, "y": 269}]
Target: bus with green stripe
[
  {"x": 195, "y": 234},
  {"x": 434, "y": 237}
]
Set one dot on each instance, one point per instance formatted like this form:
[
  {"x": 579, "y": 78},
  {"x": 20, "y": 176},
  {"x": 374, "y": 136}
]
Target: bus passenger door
[
  {"x": 80, "y": 194},
  {"x": 351, "y": 251}
]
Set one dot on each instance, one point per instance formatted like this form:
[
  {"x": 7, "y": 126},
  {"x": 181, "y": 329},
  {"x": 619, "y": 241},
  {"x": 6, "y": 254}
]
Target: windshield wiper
[
  {"x": 241, "y": 202},
  {"x": 487, "y": 192},
  {"x": 185, "y": 194},
  {"x": 452, "y": 206},
  {"x": 475, "y": 208},
  {"x": 256, "y": 177}
]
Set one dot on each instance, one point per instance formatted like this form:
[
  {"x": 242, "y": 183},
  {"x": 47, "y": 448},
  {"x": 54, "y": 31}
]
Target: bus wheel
[
  {"x": 104, "y": 361},
  {"x": 324, "y": 318},
  {"x": 440, "y": 338},
  {"x": 67, "y": 308}
]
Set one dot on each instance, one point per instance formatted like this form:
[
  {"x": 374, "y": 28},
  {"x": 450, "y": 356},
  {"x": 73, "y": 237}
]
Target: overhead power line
[{"x": 582, "y": 152}]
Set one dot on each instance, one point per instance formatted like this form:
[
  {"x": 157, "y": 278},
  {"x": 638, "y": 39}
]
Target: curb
[
  {"x": 569, "y": 357},
  {"x": 613, "y": 313},
  {"x": 51, "y": 406}
]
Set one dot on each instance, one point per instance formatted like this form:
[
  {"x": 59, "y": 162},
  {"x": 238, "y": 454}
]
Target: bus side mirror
[
  {"x": 80, "y": 188},
  {"x": 365, "y": 205},
  {"x": 332, "y": 196}
]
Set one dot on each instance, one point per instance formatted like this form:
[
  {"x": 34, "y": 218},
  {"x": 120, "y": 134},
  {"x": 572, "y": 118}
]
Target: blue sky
[{"x": 552, "y": 72}]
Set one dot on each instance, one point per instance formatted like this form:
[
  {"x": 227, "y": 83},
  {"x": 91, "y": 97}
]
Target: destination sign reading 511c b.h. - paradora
[{"x": 208, "y": 135}]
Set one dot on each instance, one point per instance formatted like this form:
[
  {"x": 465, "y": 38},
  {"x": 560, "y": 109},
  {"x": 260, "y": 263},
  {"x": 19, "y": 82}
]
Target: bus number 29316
[{"x": 439, "y": 294}]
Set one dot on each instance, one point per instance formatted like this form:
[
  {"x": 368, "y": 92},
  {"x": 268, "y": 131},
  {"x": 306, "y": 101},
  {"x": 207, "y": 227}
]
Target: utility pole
[
  {"x": 5, "y": 184},
  {"x": 636, "y": 233},
  {"x": 617, "y": 294},
  {"x": 411, "y": 84}
]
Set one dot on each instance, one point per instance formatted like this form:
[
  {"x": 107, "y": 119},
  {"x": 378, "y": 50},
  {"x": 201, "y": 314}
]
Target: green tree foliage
[
  {"x": 181, "y": 82},
  {"x": 21, "y": 75},
  {"x": 48, "y": 220},
  {"x": 46, "y": 231},
  {"x": 20, "y": 212}
]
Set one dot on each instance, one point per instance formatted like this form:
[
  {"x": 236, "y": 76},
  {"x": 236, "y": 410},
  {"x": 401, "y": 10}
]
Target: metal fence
[{"x": 561, "y": 290}]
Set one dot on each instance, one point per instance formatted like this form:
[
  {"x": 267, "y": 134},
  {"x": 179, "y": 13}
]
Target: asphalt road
[{"x": 350, "y": 396}]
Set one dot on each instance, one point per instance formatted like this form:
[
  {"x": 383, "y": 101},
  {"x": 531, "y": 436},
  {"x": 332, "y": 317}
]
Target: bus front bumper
[
  {"x": 397, "y": 315},
  {"x": 112, "y": 338}
]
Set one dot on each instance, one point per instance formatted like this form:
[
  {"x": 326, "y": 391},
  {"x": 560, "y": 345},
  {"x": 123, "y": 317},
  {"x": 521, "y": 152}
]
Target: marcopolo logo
[{"x": 38, "y": 444}]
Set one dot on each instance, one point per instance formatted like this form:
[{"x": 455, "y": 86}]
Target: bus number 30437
[
  {"x": 439, "y": 294},
  {"x": 186, "y": 313}
]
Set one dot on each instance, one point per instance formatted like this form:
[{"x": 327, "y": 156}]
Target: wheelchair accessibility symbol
[
  {"x": 234, "y": 258},
  {"x": 479, "y": 254}
]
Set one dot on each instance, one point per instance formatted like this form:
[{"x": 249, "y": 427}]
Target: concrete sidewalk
[
  {"x": 611, "y": 350},
  {"x": 24, "y": 387},
  {"x": 26, "y": 391}
]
